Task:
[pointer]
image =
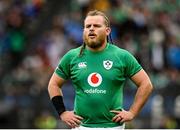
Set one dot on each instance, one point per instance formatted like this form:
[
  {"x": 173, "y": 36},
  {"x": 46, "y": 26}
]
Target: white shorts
[{"x": 88, "y": 128}]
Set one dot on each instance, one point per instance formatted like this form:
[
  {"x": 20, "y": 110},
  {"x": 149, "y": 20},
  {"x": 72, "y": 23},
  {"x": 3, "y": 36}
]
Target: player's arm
[
  {"x": 55, "y": 84},
  {"x": 144, "y": 89},
  {"x": 55, "y": 93}
]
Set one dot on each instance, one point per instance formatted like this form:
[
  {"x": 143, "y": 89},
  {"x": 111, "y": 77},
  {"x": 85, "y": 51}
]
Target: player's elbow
[
  {"x": 149, "y": 87},
  {"x": 49, "y": 87},
  {"x": 52, "y": 87}
]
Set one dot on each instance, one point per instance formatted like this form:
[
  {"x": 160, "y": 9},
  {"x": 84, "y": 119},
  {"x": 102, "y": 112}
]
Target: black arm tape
[{"x": 58, "y": 104}]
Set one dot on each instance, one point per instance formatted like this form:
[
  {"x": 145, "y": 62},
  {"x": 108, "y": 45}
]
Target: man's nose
[{"x": 91, "y": 28}]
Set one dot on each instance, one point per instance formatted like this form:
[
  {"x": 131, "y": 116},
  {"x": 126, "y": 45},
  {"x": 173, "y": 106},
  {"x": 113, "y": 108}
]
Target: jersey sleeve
[
  {"x": 63, "y": 68},
  {"x": 132, "y": 65}
]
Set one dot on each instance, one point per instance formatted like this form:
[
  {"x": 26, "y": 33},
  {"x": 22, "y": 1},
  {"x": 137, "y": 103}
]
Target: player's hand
[
  {"x": 71, "y": 119},
  {"x": 122, "y": 116}
]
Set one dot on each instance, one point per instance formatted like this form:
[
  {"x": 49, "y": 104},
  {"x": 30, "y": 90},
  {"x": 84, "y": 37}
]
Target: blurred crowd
[{"x": 35, "y": 34}]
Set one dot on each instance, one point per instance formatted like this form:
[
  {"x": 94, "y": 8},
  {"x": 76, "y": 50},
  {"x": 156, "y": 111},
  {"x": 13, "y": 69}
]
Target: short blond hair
[{"x": 99, "y": 13}]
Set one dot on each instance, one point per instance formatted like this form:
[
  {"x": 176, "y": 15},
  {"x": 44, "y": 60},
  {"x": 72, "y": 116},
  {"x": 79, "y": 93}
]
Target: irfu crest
[{"x": 107, "y": 64}]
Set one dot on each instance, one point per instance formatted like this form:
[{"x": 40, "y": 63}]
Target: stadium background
[{"x": 34, "y": 35}]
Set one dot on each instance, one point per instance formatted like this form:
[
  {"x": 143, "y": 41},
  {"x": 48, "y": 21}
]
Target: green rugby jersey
[{"x": 98, "y": 78}]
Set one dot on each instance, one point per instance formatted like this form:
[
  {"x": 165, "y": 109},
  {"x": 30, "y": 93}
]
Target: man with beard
[{"x": 98, "y": 71}]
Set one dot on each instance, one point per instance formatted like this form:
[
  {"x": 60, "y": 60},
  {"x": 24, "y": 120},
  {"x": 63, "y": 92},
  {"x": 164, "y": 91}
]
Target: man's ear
[{"x": 108, "y": 30}]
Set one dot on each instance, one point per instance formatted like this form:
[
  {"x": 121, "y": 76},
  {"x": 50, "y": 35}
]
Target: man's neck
[{"x": 97, "y": 49}]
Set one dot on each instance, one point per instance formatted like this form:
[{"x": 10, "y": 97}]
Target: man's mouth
[{"x": 92, "y": 35}]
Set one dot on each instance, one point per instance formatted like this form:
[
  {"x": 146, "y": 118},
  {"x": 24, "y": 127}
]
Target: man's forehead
[{"x": 94, "y": 19}]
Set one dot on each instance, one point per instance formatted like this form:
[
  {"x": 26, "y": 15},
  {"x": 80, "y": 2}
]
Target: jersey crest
[{"x": 107, "y": 64}]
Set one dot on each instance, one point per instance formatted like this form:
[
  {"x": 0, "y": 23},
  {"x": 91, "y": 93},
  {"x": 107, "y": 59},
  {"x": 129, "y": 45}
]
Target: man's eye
[
  {"x": 88, "y": 26},
  {"x": 97, "y": 25}
]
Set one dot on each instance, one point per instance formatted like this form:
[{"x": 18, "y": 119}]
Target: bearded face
[
  {"x": 95, "y": 32},
  {"x": 94, "y": 40}
]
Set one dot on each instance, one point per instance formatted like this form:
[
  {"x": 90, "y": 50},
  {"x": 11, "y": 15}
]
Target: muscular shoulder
[{"x": 119, "y": 51}]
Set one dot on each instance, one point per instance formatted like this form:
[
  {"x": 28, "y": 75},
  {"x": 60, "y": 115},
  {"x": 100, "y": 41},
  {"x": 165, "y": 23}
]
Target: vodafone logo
[{"x": 94, "y": 79}]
